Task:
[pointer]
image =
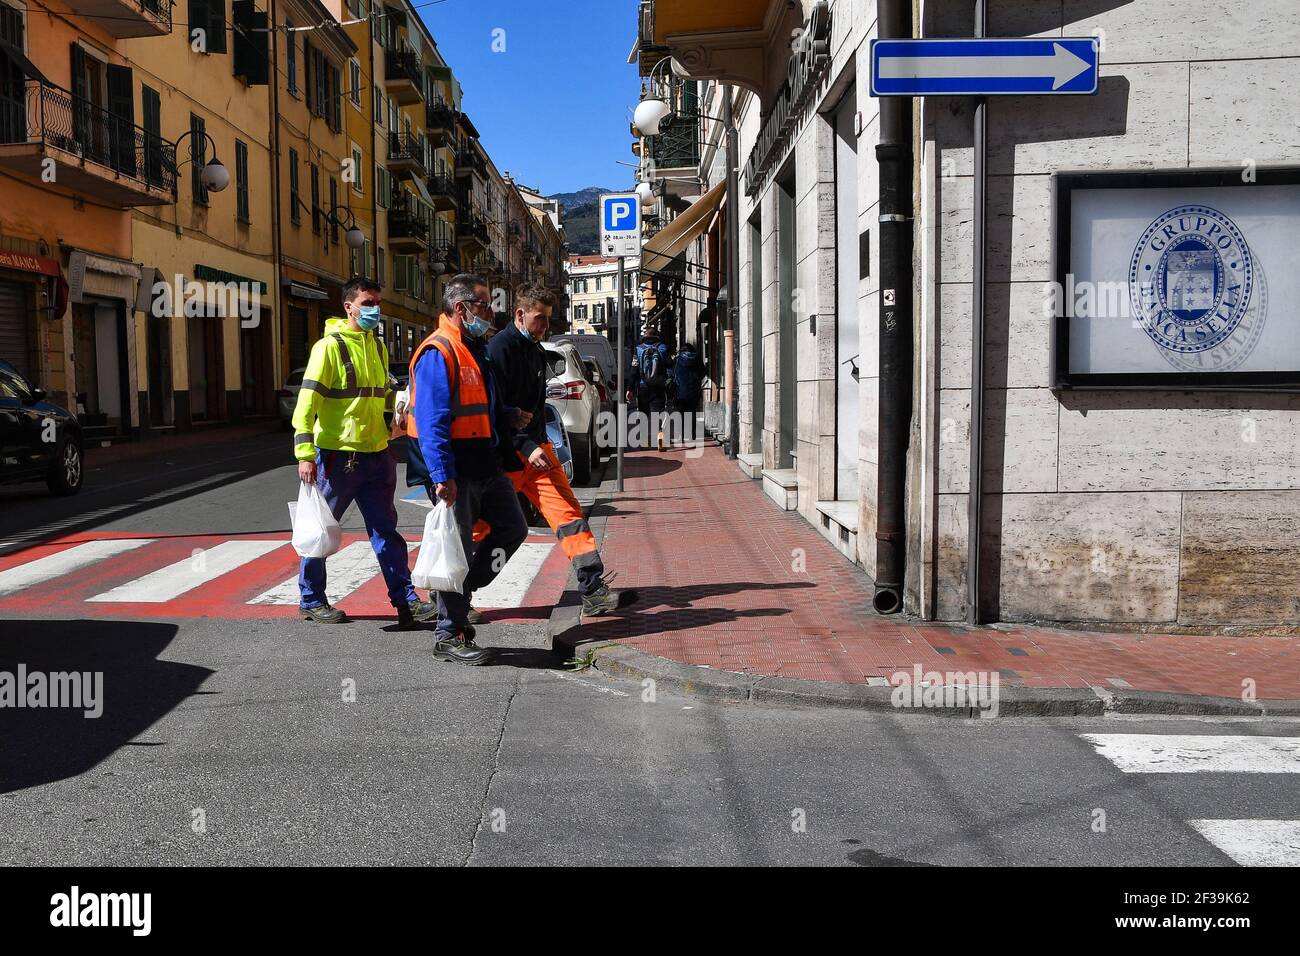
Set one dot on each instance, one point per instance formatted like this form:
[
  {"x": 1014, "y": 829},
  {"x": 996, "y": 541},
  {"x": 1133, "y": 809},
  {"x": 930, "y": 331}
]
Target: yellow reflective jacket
[{"x": 344, "y": 392}]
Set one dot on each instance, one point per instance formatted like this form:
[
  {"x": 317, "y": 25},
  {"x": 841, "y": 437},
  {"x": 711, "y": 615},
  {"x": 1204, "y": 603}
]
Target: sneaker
[
  {"x": 460, "y": 649},
  {"x": 474, "y": 616},
  {"x": 322, "y": 614},
  {"x": 605, "y": 599}
]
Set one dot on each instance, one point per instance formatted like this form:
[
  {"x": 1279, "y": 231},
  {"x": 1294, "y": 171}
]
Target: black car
[{"x": 39, "y": 441}]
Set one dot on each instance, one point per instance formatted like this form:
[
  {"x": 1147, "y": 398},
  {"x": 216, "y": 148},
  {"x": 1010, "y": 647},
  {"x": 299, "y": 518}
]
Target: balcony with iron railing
[
  {"x": 406, "y": 154},
  {"x": 469, "y": 160},
  {"x": 444, "y": 192},
  {"x": 403, "y": 80},
  {"x": 440, "y": 123},
  {"x": 407, "y": 228},
  {"x": 678, "y": 144},
  {"x": 472, "y": 230},
  {"x": 96, "y": 153},
  {"x": 127, "y": 18}
]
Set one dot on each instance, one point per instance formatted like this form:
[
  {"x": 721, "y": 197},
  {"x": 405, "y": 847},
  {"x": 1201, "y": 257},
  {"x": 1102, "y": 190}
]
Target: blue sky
[{"x": 553, "y": 108}]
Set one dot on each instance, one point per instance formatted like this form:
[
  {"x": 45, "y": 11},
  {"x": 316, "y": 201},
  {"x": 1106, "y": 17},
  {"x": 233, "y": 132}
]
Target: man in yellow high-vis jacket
[{"x": 341, "y": 443}]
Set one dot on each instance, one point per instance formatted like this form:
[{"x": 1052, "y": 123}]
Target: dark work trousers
[{"x": 492, "y": 499}]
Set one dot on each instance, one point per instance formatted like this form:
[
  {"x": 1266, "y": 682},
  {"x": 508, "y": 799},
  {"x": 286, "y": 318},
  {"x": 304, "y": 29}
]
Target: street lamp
[
  {"x": 215, "y": 176},
  {"x": 646, "y": 193},
  {"x": 651, "y": 112},
  {"x": 354, "y": 237}
]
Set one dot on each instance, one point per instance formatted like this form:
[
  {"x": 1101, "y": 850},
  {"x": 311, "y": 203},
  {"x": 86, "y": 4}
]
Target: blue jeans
[
  {"x": 370, "y": 484},
  {"x": 492, "y": 499}
]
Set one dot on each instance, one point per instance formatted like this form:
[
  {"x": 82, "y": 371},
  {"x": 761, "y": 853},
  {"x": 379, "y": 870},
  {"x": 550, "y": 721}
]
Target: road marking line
[
  {"x": 344, "y": 573},
  {"x": 515, "y": 579},
  {"x": 171, "y": 582},
  {"x": 65, "y": 562},
  {"x": 1195, "y": 753},
  {"x": 1254, "y": 842}
]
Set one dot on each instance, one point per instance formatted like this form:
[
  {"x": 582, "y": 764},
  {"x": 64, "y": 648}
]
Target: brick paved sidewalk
[{"x": 712, "y": 559}]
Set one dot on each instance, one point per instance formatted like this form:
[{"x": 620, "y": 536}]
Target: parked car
[
  {"x": 578, "y": 403},
  {"x": 596, "y": 348},
  {"x": 287, "y": 397},
  {"x": 39, "y": 441},
  {"x": 605, "y": 391}
]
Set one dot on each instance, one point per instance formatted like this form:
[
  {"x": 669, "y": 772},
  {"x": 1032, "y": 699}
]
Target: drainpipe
[
  {"x": 894, "y": 156},
  {"x": 280, "y": 320},
  {"x": 975, "y": 495},
  {"x": 733, "y": 270}
]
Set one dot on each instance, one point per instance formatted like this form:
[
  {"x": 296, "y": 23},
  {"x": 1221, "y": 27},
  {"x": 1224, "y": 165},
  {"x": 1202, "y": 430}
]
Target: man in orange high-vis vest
[
  {"x": 520, "y": 365},
  {"x": 454, "y": 418}
]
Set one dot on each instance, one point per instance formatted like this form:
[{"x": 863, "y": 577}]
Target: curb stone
[{"x": 563, "y": 627}]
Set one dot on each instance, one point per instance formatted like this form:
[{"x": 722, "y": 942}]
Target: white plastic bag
[
  {"x": 316, "y": 532},
  {"x": 441, "y": 564}
]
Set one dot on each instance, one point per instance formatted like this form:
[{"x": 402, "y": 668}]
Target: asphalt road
[{"x": 236, "y": 741}]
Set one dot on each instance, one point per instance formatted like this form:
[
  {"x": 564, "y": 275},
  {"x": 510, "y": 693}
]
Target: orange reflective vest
[{"x": 470, "y": 406}]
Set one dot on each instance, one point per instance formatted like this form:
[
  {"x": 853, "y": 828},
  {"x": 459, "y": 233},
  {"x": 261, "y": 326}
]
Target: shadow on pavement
[{"x": 39, "y": 745}]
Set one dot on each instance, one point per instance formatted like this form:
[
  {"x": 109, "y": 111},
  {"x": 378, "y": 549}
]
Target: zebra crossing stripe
[
  {"x": 170, "y": 582},
  {"x": 1254, "y": 842},
  {"x": 55, "y": 565},
  {"x": 515, "y": 579},
  {"x": 344, "y": 573},
  {"x": 1197, "y": 753}
]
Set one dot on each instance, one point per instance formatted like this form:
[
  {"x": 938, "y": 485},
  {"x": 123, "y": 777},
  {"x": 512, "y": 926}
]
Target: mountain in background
[{"x": 582, "y": 197}]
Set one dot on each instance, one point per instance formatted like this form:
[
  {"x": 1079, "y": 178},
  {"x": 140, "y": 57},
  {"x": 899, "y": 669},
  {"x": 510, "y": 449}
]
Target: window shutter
[
  {"x": 308, "y": 82},
  {"x": 121, "y": 104},
  {"x": 198, "y": 20},
  {"x": 216, "y": 26}
]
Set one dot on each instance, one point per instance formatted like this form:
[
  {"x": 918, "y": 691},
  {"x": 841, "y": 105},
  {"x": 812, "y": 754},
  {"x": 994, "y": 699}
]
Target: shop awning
[
  {"x": 671, "y": 241},
  {"x": 301, "y": 290}
]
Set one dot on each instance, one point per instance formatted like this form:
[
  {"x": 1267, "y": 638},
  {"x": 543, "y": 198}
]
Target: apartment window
[
  {"x": 379, "y": 107},
  {"x": 598, "y": 313},
  {"x": 207, "y": 20},
  {"x": 393, "y": 123},
  {"x": 380, "y": 266},
  {"x": 153, "y": 156},
  {"x": 291, "y": 57},
  {"x": 241, "y": 181},
  {"x": 358, "y": 167},
  {"x": 295, "y": 199},
  {"x": 354, "y": 77},
  {"x": 381, "y": 186},
  {"x": 198, "y": 158},
  {"x": 315, "y": 199}
]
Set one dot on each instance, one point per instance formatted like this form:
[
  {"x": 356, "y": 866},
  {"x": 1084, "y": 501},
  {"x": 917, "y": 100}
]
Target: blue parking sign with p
[{"x": 620, "y": 214}]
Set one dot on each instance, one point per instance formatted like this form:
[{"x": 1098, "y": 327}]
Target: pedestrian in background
[
  {"x": 519, "y": 363},
  {"x": 648, "y": 383},
  {"x": 341, "y": 443},
  {"x": 687, "y": 387},
  {"x": 455, "y": 421}
]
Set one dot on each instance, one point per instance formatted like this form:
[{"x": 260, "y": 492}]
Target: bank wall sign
[
  {"x": 1178, "y": 279},
  {"x": 810, "y": 57}
]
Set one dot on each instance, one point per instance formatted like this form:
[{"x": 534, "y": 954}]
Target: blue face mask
[
  {"x": 368, "y": 317},
  {"x": 476, "y": 327}
]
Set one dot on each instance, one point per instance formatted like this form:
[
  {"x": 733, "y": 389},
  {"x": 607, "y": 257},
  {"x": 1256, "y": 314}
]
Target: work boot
[
  {"x": 605, "y": 599},
  {"x": 460, "y": 649},
  {"x": 322, "y": 614},
  {"x": 415, "y": 612},
  {"x": 474, "y": 616}
]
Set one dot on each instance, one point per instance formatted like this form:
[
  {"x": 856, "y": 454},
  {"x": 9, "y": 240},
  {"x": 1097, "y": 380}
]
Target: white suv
[{"x": 569, "y": 388}]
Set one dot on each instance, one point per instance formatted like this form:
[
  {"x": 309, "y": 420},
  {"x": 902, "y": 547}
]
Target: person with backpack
[
  {"x": 649, "y": 380},
  {"x": 341, "y": 443},
  {"x": 688, "y": 385}
]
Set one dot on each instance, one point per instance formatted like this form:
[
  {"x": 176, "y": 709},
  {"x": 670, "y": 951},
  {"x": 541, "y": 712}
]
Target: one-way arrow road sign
[{"x": 1051, "y": 65}]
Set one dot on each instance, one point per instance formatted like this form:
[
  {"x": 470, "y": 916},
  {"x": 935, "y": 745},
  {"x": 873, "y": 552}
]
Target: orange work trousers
[{"x": 553, "y": 497}]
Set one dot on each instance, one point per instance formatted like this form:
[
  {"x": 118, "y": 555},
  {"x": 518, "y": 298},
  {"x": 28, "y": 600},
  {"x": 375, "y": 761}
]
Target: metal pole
[
  {"x": 975, "y": 498},
  {"x": 622, "y": 394},
  {"x": 733, "y": 269}
]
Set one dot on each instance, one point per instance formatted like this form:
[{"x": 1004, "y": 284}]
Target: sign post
[
  {"x": 620, "y": 236},
  {"x": 981, "y": 67}
]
